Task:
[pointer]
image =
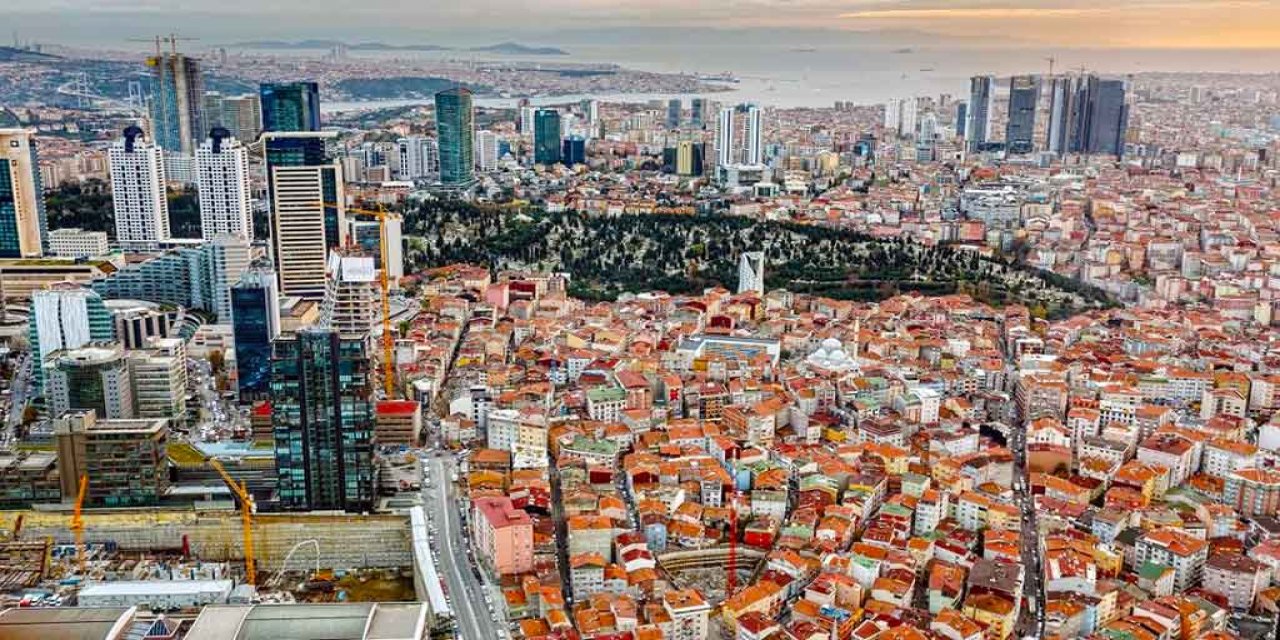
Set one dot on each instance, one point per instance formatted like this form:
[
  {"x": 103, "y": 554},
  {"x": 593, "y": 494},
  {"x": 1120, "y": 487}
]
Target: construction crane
[
  {"x": 387, "y": 365},
  {"x": 171, "y": 40},
  {"x": 77, "y": 521},
  {"x": 247, "y": 507}
]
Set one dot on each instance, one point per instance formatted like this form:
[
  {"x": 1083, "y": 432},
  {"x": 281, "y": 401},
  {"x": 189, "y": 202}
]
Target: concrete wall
[{"x": 346, "y": 541}]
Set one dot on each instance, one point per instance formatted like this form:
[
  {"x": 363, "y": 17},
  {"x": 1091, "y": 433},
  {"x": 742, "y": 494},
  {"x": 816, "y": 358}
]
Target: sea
[{"x": 819, "y": 76}]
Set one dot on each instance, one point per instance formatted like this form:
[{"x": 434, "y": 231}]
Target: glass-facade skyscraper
[
  {"x": 24, "y": 226},
  {"x": 546, "y": 136},
  {"x": 1024, "y": 94},
  {"x": 456, "y": 131},
  {"x": 322, "y": 414},
  {"x": 982, "y": 93},
  {"x": 304, "y": 185},
  {"x": 177, "y": 103},
  {"x": 255, "y": 323},
  {"x": 290, "y": 106}
]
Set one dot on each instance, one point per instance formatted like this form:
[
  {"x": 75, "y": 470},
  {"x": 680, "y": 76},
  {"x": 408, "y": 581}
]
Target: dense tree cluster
[{"x": 684, "y": 254}]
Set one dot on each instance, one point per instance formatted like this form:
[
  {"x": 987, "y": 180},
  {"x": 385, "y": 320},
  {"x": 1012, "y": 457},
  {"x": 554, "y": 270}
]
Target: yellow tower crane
[
  {"x": 387, "y": 352},
  {"x": 247, "y": 507},
  {"x": 77, "y": 522}
]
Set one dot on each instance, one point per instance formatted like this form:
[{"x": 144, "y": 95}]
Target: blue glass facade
[
  {"x": 546, "y": 136},
  {"x": 290, "y": 106},
  {"x": 322, "y": 421},
  {"x": 251, "y": 325},
  {"x": 10, "y": 244},
  {"x": 456, "y": 132}
]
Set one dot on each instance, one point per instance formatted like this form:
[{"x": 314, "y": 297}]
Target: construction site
[{"x": 151, "y": 554}]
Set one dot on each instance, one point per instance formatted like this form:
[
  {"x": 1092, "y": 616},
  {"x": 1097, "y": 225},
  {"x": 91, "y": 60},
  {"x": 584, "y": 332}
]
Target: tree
[
  {"x": 216, "y": 361},
  {"x": 30, "y": 414}
]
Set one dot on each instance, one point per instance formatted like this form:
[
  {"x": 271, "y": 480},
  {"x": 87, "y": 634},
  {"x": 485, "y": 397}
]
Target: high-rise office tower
[
  {"x": 724, "y": 138},
  {"x": 982, "y": 94},
  {"x": 177, "y": 102},
  {"x": 255, "y": 323},
  {"x": 214, "y": 108},
  {"x": 1024, "y": 96},
  {"x": 414, "y": 155},
  {"x": 455, "y": 131},
  {"x": 1062, "y": 95},
  {"x": 223, "y": 187},
  {"x": 65, "y": 316},
  {"x": 350, "y": 303},
  {"x": 367, "y": 234},
  {"x": 546, "y": 137},
  {"x": 94, "y": 376},
  {"x": 753, "y": 152},
  {"x": 24, "y": 227},
  {"x": 751, "y": 272},
  {"x": 524, "y": 124},
  {"x": 159, "y": 382},
  {"x": 290, "y": 106},
  {"x": 1102, "y": 116},
  {"x": 698, "y": 112},
  {"x": 308, "y": 208},
  {"x": 962, "y": 118},
  {"x": 225, "y": 258},
  {"x": 573, "y": 151},
  {"x": 138, "y": 192},
  {"x": 242, "y": 116},
  {"x": 689, "y": 158},
  {"x": 486, "y": 150},
  {"x": 322, "y": 419},
  {"x": 674, "y": 109}
]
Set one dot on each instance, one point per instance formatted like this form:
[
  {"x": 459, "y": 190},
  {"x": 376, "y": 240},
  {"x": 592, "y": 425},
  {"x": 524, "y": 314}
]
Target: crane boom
[
  {"x": 77, "y": 521},
  {"x": 241, "y": 492}
]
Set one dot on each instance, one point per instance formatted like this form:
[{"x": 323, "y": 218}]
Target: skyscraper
[
  {"x": 24, "y": 228},
  {"x": 698, "y": 112},
  {"x": 290, "y": 106},
  {"x": 456, "y": 132},
  {"x": 754, "y": 137},
  {"x": 242, "y": 116},
  {"x": 66, "y": 316},
  {"x": 138, "y": 192},
  {"x": 349, "y": 302},
  {"x": 1104, "y": 116},
  {"x": 308, "y": 208},
  {"x": 546, "y": 137},
  {"x": 255, "y": 323},
  {"x": 982, "y": 94},
  {"x": 1024, "y": 96},
  {"x": 574, "y": 151},
  {"x": 177, "y": 102},
  {"x": 751, "y": 272},
  {"x": 415, "y": 157},
  {"x": 225, "y": 258},
  {"x": 223, "y": 187},
  {"x": 486, "y": 150},
  {"x": 724, "y": 138},
  {"x": 322, "y": 419},
  {"x": 1061, "y": 100},
  {"x": 674, "y": 109},
  {"x": 962, "y": 118}
]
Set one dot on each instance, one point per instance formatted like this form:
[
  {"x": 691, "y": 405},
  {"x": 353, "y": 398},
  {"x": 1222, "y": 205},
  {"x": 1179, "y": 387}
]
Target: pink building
[{"x": 503, "y": 534}]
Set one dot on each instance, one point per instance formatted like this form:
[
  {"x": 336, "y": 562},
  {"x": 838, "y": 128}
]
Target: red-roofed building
[
  {"x": 397, "y": 422},
  {"x": 502, "y": 534}
]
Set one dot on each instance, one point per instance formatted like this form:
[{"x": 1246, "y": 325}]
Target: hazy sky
[{"x": 1126, "y": 23}]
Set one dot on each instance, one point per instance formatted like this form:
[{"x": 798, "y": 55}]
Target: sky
[{"x": 1079, "y": 23}]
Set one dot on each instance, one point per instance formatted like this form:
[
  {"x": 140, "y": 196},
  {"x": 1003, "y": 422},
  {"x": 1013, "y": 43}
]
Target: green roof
[{"x": 1151, "y": 571}]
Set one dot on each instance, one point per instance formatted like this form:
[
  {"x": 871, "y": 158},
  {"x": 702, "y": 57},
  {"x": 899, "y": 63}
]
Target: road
[
  {"x": 19, "y": 389},
  {"x": 472, "y": 614},
  {"x": 1030, "y": 622}
]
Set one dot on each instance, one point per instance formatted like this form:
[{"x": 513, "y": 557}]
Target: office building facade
[
  {"x": 1024, "y": 97},
  {"x": 982, "y": 95},
  {"x": 455, "y": 131},
  {"x": 255, "y": 323},
  {"x": 308, "y": 211},
  {"x": 95, "y": 376},
  {"x": 322, "y": 421},
  {"x": 573, "y": 151},
  {"x": 126, "y": 460},
  {"x": 486, "y": 150},
  {"x": 674, "y": 111},
  {"x": 546, "y": 137},
  {"x": 289, "y": 106},
  {"x": 24, "y": 227},
  {"x": 223, "y": 187},
  {"x": 138, "y": 192}
]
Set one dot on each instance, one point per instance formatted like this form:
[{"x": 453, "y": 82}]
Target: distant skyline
[{"x": 1068, "y": 23}]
